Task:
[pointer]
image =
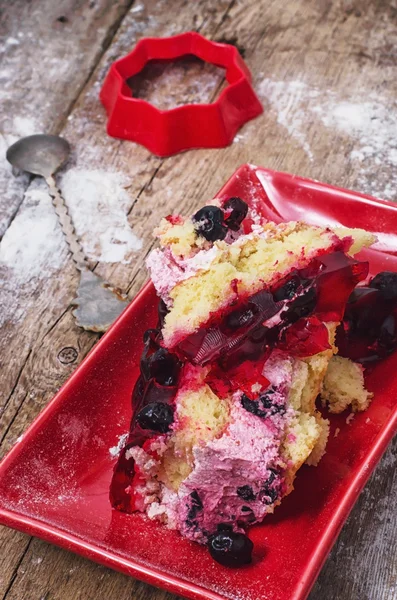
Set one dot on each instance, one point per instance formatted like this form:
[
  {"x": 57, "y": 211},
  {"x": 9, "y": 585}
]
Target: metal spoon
[{"x": 97, "y": 302}]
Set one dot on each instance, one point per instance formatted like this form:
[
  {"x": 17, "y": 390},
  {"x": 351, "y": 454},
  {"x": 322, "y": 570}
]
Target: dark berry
[
  {"x": 247, "y": 516},
  {"x": 238, "y": 214},
  {"x": 387, "y": 338},
  {"x": 156, "y": 416},
  {"x": 195, "y": 505},
  {"x": 288, "y": 290},
  {"x": 162, "y": 366},
  {"x": 303, "y": 306},
  {"x": 162, "y": 312},
  {"x": 263, "y": 406},
  {"x": 250, "y": 405},
  {"x": 246, "y": 492},
  {"x": 272, "y": 476},
  {"x": 208, "y": 222},
  {"x": 386, "y": 283},
  {"x": 267, "y": 493},
  {"x": 230, "y": 549},
  {"x": 151, "y": 340},
  {"x": 240, "y": 318},
  {"x": 224, "y": 527},
  {"x": 268, "y": 406}
]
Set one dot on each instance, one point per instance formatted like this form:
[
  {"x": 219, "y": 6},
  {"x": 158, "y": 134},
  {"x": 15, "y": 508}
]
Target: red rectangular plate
[{"x": 54, "y": 482}]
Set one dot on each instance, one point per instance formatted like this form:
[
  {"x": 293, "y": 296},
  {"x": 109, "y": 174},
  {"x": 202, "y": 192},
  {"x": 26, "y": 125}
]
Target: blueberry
[
  {"x": 240, "y": 318},
  {"x": 230, "y": 549},
  {"x": 266, "y": 493},
  {"x": 238, "y": 214},
  {"x": 224, "y": 527},
  {"x": 288, "y": 290},
  {"x": 156, "y": 416},
  {"x": 303, "y": 306},
  {"x": 268, "y": 406},
  {"x": 263, "y": 406},
  {"x": 208, "y": 222},
  {"x": 251, "y": 405},
  {"x": 386, "y": 283},
  {"x": 195, "y": 505},
  {"x": 162, "y": 312},
  {"x": 162, "y": 366},
  {"x": 246, "y": 492},
  {"x": 387, "y": 338},
  {"x": 272, "y": 476},
  {"x": 247, "y": 516}
]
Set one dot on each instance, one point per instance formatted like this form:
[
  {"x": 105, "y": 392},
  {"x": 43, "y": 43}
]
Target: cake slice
[{"x": 224, "y": 409}]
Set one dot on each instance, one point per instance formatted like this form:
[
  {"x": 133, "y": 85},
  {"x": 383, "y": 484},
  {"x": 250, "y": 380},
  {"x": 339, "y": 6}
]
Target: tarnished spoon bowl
[{"x": 39, "y": 154}]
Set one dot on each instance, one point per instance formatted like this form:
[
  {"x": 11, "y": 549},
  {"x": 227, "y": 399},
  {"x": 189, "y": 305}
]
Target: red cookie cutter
[{"x": 166, "y": 132}]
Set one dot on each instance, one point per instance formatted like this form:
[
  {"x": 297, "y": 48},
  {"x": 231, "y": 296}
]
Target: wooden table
[{"x": 327, "y": 75}]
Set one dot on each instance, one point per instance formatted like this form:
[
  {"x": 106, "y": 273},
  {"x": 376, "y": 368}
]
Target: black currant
[
  {"x": 156, "y": 416},
  {"x": 230, "y": 549},
  {"x": 386, "y": 283},
  {"x": 208, "y": 222},
  {"x": 238, "y": 214}
]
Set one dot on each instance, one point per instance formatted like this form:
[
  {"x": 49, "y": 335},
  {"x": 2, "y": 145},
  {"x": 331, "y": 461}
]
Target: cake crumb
[
  {"x": 367, "y": 420},
  {"x": 337, "y": 431},
  {"x": 350, "y": 418}
]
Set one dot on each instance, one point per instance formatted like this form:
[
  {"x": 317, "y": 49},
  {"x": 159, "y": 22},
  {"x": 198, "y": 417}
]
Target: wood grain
[{"x": 340, "y": 52}]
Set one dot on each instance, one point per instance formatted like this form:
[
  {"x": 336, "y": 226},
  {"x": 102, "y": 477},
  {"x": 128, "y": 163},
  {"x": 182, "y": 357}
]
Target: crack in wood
[
  {"x": 3, "y": 409},
  {"x": 15, "y": 573},
  {"x": 3, "y": 437}
]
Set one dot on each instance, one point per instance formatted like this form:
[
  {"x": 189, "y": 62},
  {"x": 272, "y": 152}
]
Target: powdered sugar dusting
[
  {"x": 31, "y": 250},
  {"x": 33, "y": 239},
  {"x": 115, "y": 450},
  {"x": 370, "y": 123},
  {"x": 98, "y": 203}
]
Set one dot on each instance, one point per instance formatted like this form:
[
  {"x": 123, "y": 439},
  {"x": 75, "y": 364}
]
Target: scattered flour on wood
[
  {"x": 31, "y": 250},
  {"x": 369, "y": 123},
  {"x": 288, "y": 100},
  {"x": 33, "y": 246},
  {"x": 98, "y": 203}
]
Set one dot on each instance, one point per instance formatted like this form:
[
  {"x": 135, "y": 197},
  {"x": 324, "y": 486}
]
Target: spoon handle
[{"x": 66, "y": 223}]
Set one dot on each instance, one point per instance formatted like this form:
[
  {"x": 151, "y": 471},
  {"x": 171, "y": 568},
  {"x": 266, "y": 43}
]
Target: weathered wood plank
[
  {"x": 363, "y": 562},
  {"x": 42, "y": 71},
  {"x": 304, "y": 59}
]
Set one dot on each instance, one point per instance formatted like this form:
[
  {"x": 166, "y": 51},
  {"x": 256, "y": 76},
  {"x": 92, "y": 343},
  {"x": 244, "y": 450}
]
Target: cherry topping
[
  {"x": 238, "y": 214},
  {"x": 230, "y": 549},
  {"x": 156, "y": 416},
  {"x": 208, "y": 222}
]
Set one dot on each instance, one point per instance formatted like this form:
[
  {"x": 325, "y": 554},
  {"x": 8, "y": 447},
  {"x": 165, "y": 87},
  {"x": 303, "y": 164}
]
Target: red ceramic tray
[{"x": 54, "y": 483}]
